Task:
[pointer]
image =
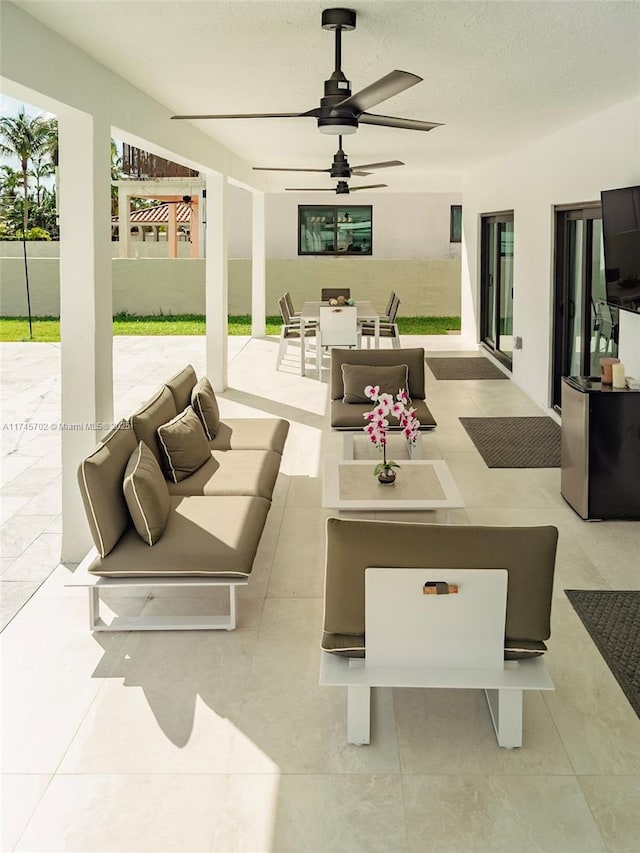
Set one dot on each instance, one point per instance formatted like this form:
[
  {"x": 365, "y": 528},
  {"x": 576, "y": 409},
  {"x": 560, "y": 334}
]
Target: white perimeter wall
[
  {"x": 571, "y": 166},
  {"x": 411, "y": 255}
]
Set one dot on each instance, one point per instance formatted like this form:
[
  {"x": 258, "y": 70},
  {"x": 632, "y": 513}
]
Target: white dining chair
[{"x": 338, "y": 327}]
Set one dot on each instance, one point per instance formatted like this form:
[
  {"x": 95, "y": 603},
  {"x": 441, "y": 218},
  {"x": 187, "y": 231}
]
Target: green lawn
[{"x": 47, "y": 329}]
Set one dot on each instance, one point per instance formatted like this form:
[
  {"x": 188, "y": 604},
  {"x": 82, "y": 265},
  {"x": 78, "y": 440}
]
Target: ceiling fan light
[{"x": 336, "y": 129}]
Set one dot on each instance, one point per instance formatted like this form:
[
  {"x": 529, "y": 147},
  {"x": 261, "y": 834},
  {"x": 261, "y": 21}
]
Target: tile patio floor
[{"x": 224, "y": 742}]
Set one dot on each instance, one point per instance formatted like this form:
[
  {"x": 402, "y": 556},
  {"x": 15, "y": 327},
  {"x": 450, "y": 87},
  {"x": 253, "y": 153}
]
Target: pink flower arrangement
[{"x": 378, "y": 421}]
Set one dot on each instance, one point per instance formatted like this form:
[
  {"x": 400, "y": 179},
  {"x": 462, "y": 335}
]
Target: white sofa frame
[
  {"x": 200, "y": 622},
  {"x": 503, "y": 684}
]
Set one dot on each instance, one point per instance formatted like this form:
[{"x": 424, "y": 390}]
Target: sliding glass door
[
  {"x": 585, "y": 327},
  {"x": 496, "y": 285}
]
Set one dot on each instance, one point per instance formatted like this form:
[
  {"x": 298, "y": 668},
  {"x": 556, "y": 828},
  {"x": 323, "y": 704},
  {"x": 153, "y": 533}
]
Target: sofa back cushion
[
  {"x": 205, "y": 405},
  {"x": 389, "y": 378},
  {"x": 153, "y": 414},
  {"x": 100, "y": 477},
  {"x": 181, "y": 386},
  {"x": 528, "y": 554},
  {"x": 412, "y": 357},
  {"x": 146, "y": 494},
  {"x": 183, "y": 445}
]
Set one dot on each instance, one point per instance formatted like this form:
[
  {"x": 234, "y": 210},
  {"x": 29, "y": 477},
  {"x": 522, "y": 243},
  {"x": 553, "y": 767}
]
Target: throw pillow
[
  {"x": 183, "y": 445},
  {"x": 203, "y": 400},
  {"x": 355, "y": 378},
  {"x": 146, "y": 494}
]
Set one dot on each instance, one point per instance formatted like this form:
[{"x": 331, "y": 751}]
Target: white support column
[
  {"x": 258, "y": 270},
  {"x": 85, "y": 309},
  {"x": 216, "y": 281},
  {"x": 124, "y": 223}
]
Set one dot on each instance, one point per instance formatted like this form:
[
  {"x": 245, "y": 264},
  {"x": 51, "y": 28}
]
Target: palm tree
[
  {"x": 27, "y": 138},
  {"x": 41, "y": 169}
]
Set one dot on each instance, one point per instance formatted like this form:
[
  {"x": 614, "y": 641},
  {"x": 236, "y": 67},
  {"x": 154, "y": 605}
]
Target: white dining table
[{"x": 310, "y": 313}]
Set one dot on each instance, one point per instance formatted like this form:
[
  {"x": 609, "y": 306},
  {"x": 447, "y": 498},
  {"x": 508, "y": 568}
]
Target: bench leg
[
  {"x": 506, "y": 714},
  {"x": 358, "y": 714},
  {"x": 347, "y": 445},
  {"x": 232, "y": 608},
  {"x": 94, "y": 608}
]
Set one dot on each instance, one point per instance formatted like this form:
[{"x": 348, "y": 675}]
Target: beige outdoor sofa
[
  {"x": 352, "y": 370},
  {"x": 443, "y": 553},
  {"x": 156, "y": 522}
]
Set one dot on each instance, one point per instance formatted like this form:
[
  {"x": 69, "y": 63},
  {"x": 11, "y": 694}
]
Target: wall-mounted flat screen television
[{"x": 621, "y": 234}]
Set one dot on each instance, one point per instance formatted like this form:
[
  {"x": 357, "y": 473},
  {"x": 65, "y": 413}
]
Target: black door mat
[
  {"x": 612, "y": 618},
  {"x": 515, "y": 442},
  {"x": 464, "y": 368}
]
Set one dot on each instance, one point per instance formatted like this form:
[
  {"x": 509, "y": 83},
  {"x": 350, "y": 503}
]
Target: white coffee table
[{"x": 421, "y": 484}]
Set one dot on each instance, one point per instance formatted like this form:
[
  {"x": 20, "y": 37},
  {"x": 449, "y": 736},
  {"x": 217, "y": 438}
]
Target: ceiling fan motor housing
[{"x": 334, "y": 18}]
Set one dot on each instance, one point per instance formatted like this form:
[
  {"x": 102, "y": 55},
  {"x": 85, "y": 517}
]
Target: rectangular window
[
  {"x": 335, "y": 230},
  {"x": 455, "y": 224}
]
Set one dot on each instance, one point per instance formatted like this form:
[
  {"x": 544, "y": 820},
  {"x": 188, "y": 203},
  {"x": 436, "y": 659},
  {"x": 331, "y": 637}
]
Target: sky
[{"x": 11, "y": 107}]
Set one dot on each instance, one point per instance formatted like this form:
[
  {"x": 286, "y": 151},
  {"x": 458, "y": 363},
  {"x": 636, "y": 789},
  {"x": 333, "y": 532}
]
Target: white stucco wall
[
  {"x": 571, "y": 166},
  {"x": 405, "y": 225}
]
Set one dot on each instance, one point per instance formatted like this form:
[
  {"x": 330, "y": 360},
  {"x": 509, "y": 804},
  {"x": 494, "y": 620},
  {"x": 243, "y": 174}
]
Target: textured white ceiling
[{"x": 497, "y": 74}]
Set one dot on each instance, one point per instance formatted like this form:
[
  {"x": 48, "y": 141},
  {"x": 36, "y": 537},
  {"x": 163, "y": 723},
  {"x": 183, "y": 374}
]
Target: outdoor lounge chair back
[
  {"x": 387, "y": 310},
  {"x": 289, "y": 301},
  {"x": 290, "y": 329}
]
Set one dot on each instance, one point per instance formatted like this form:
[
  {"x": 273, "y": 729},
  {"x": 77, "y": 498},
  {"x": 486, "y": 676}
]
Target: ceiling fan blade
[
  {"x": 369, "y": 187},
  {"x": 360, "y": 173},
  {"x": 310, "y": 189},
  {"x": 385, "y": 165},
  {"x": 386, "y": 87},
  {"x": 285, "y": 169},
  {"x": 403, "y": 123},
  {"x": 249, "y": 115}
]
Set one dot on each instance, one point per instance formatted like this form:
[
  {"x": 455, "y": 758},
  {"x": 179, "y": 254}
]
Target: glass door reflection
[{"x": 496, "y": 285}]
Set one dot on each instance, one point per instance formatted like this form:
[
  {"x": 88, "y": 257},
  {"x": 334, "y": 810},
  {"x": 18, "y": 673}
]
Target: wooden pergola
[{"x": 178, "y": 202}]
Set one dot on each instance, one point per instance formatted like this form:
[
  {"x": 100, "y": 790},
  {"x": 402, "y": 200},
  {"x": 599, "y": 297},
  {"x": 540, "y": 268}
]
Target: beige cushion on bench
[
  {"x": 251, "y": 434},
  {"x": 389, "y": 378},
  {"x": 203, "y": 537},
  {"x": 350, "y": 415},
  {"x": 233, "y": 472},
  {"x": 145, "y": 491},
  {"x": 159, "y": 410},
  {"x": 528, "y": 554},
  {"x": 183, "y": 445},
  {"x": 181, "y": 385},
  {"x": 412, "y": 357},
  {"x": 100, "y": 478}
]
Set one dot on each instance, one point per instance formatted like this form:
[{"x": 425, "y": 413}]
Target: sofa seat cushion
[
  {"x": 157, "y": 411},
  {"x": 203, "y": 537},
  {"x": 181, "y": 386},
  {"x": 251, "y": 434},
  {"x": 146, "y": 493},
  {"x": 100, "y": 478},
  {"x": 205, "y": 405},
  {"x": 350, "y": 415},
  {"x": 183, "y": 445},
  {"x": 233, "y": 472},
  {"x": 347, "y": 645}
]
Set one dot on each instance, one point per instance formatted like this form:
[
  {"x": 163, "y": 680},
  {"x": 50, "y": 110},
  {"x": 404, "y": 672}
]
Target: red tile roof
[{"x": 158, "y": 215}]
